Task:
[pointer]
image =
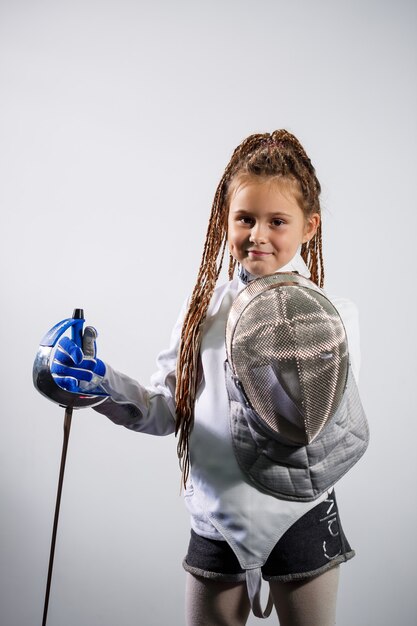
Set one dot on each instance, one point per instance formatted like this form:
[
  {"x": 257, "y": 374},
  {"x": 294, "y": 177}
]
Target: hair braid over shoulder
[{"x": 276, "y": 155}]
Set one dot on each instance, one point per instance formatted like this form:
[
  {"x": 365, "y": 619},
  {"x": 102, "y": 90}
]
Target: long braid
[{"x": 278, "y": 154}]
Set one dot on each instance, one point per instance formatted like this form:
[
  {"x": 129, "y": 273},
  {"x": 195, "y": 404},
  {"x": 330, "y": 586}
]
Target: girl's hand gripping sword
[{"x": 67, "y": 372}]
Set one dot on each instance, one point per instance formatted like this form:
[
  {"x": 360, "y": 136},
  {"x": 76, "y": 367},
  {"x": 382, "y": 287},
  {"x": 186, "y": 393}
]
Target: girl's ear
[{"x": 311, "y": 226}]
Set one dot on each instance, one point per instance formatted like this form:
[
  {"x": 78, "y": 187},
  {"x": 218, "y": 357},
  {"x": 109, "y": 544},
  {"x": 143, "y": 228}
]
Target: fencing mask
[{"x": 296, "y": 419}]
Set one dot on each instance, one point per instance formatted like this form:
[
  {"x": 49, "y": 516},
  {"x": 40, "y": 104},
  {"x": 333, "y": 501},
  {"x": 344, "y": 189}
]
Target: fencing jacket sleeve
[{"x": 145, "y": 409}]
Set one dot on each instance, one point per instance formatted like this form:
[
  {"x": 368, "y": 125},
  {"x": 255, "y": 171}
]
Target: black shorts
[{"x": 313, "y": 544}]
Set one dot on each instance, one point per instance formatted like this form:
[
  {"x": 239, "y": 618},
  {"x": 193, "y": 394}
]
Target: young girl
[{"x": 267, "y": 210}]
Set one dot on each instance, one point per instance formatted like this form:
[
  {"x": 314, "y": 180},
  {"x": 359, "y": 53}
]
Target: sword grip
[{"x": 77, "y": 327}]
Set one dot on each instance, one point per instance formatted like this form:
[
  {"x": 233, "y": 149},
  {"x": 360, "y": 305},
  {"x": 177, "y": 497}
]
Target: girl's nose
[{"x": 258, "y": 234}]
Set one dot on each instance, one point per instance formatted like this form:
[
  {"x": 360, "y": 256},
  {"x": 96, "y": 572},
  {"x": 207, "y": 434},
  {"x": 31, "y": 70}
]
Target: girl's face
[{"x": 266, "y": 225}]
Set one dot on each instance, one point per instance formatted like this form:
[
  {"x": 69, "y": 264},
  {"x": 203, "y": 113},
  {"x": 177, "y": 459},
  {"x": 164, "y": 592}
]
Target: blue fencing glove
[{"x": 78, "y": 370}]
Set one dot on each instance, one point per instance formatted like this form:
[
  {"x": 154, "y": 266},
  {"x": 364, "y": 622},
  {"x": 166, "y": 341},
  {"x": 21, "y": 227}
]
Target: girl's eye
[
  {"x": 246, "y": 220},
  {"x": 277, "y": 222}
]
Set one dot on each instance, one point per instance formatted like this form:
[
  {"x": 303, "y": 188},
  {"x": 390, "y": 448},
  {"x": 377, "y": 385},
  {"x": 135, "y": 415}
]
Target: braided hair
[{"x": 279, "y": 155}]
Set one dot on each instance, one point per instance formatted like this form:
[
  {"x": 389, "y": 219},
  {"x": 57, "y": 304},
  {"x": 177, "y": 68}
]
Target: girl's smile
[{"x": 266, "y": 225}]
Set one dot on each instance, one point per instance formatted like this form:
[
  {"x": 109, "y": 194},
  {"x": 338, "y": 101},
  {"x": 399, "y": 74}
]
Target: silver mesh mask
[{"x": 287, "y": 349}]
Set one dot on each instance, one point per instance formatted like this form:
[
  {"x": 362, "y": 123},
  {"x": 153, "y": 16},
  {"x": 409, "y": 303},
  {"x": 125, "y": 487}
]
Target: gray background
[{"x": 117, "y": 119}]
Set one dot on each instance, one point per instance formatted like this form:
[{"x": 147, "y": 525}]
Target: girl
[{"x": 267, "y": 210}]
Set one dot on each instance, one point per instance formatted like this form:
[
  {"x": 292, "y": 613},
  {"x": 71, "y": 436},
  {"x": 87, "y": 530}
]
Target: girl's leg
[
  {"x": 309, "y": 602},
  {"x": 213, "y": 603}
]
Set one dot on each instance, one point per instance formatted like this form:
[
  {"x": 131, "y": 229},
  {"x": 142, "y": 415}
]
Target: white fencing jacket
[{"x": 222, "y": 503}]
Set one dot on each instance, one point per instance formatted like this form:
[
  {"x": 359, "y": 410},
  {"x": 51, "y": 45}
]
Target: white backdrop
[{"x": 117, "y": 119}]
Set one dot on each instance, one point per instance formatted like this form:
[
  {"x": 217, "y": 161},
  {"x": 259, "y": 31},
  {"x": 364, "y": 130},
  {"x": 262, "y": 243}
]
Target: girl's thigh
[
  {"x": 310, "y": 602},
  {"x": 214, "y": 603}
]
